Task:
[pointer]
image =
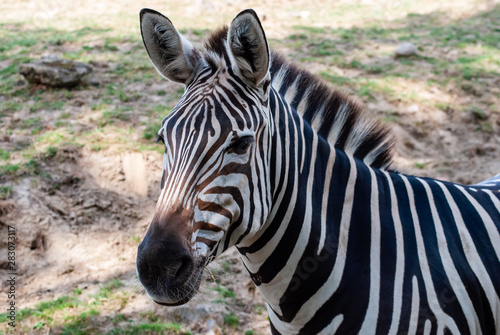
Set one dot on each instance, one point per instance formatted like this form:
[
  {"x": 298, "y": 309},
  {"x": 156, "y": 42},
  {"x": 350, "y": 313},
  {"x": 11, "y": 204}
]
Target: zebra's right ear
[
  {"x": 172, "y": 55},
  {"x": 248, "y": 45}
]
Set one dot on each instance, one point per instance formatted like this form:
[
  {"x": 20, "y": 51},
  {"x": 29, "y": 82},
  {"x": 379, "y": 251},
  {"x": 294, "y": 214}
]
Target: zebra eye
[{"x": 240, "y": 145}]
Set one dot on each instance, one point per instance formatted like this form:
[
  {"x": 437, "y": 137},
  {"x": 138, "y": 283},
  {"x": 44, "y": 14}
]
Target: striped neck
[
  {"x": 299, "y": 211},
  {"x": 334, "y": 116}
]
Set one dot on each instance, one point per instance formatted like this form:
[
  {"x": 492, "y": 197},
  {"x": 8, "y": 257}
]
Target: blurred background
[{"x": 80, "y": 170}]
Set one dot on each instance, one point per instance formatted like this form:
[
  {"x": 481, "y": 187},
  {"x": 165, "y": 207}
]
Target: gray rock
[
  {"x": 103, "y": 203},
  {"x": 54, "y": 71},
  {"x": 413, "y": 109},
  {"x": 88, "y": 203},
  {"x": 212, "y": 328},
  {"x": 300, "y": 15},
  {"x": 190, "y": 314},
  {"x": 406, "y": 49}
]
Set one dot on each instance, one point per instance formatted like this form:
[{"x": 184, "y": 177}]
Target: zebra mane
[{"x": 332, "y": 114}]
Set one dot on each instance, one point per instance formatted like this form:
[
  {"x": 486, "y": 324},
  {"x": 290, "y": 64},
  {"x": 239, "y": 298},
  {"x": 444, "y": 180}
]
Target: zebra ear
[
  {"x": 173, "y": 56},
  {"x": 248, "y": 45}
]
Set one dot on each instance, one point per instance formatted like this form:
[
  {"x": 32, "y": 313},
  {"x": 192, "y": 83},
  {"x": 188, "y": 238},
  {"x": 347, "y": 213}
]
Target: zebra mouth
[
  {"x": 180, "y": 302},
  {"x": 165, "y": 294}
]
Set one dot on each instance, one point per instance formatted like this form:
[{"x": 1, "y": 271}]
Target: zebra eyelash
[{"x": 160, "y": 139}]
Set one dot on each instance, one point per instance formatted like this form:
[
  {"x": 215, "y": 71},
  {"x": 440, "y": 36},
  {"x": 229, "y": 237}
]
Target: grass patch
[
  {"x": 5, "y": 192},
  {"x": 478, "y": 113},
  {"x": 227, "y": 267},
  {"x": 108, "y": 289},
  {"x": 150, "y": 328},
  {"x": 336, "y": 80},
  {"x": 118, "y": 113},
  {"x": 231, "y": 320},
  {"x": 9, "y": 169},
  {"x": 30, "y": 122},
  {"x": 69, "y": 314},
  {"x": 45, "y": 310},
  {"x": 420, "y": 165},
  {"x": 151, "y": 130},
  {"x": 224, "y": 292},
  {"x": 150, "y": 316},
  {"x": 4, "y": 154},
  {"x": 80, "y": 324},
  {"x": 135, "y": 239}
]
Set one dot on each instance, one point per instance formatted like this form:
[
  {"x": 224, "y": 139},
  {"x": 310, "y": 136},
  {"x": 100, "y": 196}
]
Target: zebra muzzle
[{"x": 167, "y": 268}]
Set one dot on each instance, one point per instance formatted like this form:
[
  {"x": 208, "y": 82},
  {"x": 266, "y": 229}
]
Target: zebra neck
[
  {"x": 333, "y": 115},
  {"x": 311, "y": 183}
]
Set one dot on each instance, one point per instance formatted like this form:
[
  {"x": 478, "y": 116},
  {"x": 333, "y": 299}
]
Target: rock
[
  {"x": 406, "y": 49},
  {"x": 472, "y": 89},
  {"x": 103, "y": 203},
  {"x": 54, "y": 71},
  {"x": 89, "y": 202},
  {"x": 94, "y": 82},
  {"x": 56, "y": 207},
  {"x": 413, "y": 109},
  {"x": 212, "y": 328},
  {"x": 189, "y": 314},
  {"x": 300, "y": 15}
]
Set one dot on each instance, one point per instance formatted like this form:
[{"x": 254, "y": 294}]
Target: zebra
[{"x": 263, "y": 156}]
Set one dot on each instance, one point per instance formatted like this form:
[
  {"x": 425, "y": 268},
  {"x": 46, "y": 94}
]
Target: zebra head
[{"x": 215, "y": 145}]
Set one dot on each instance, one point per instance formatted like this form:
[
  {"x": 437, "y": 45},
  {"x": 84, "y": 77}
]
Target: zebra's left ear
[{"x": 248, "y": 47}]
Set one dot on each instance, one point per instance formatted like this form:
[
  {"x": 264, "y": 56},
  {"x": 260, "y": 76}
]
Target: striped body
[
  {"x": 295, "y": 176},
  {"x": 376, "y": 251}
]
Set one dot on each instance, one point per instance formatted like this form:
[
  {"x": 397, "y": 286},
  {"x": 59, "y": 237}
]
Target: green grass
[
  {"x": 151, "y": 130},
  {"x": 420, "y": 165},
  {"x": 108, "y": 289},
  {"x": 231, "y": 320},
  {"x": 227, "y": 267},
  {"x": 135, "y": 239},
  {"x": 150, "y": 316},
  {"x": 118, "y": 318},
  {"x": 150, "y": 328},
  {"x": 5, "y": 192},
  {"x": 80, "y": 324},
  {"x": 69, "y": 313},
  {"x": 478, "y": 113},
  {"x": 118, "y": 113},
  {"x": 4, "y": 154},
  {"x": 486, "y": 127},
  {"x": 45, "y": 310},
  {"x": 224, "y": 292},
  {"x": 46, "y": 105},
  {"x": 336, "y": 80},
  {"x": 9, "y": 169}
]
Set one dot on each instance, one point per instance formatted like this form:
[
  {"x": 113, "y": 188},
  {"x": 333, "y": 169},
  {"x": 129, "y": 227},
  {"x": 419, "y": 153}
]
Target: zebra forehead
[
  {"x": 216, "y": 42},
  {"x": 212, "y": 118}
]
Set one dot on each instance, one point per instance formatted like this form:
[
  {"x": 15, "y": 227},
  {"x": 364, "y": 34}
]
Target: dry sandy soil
[{"x": 79, "y": 229}]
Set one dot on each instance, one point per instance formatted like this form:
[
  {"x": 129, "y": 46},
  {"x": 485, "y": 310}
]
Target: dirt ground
[{"x": 81, "y": 215}]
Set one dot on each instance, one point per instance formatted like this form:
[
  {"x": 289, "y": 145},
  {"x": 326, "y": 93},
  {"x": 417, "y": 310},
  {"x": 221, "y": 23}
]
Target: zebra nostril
[
  {"x": 146, "y": 272},
  {"x": 159, "y": 266},
  {"x": 184, "y": 269}
]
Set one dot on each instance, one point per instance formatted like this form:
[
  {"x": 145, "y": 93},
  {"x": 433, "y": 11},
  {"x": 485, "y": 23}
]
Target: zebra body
[{"x": 260, "y": 155}]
